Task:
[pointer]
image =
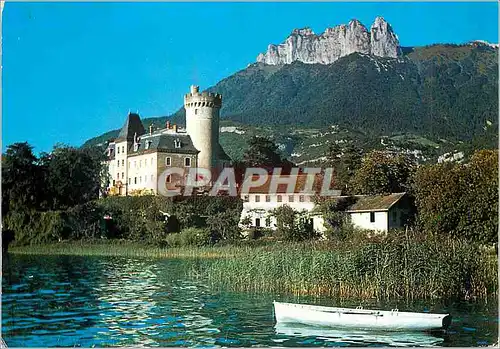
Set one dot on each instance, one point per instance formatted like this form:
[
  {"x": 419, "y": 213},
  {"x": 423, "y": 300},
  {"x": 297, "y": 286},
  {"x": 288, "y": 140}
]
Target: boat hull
[{"x": 359, "y": 318}]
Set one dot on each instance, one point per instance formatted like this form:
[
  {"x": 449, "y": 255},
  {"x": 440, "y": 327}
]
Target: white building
[
  {"x": 380, "y": 212},
  {"x": 259, "y": 202}
]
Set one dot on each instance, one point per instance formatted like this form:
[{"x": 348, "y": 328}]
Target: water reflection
[
  {"x": 358, "y": 337},
  {"x": 90, "y": 301}
]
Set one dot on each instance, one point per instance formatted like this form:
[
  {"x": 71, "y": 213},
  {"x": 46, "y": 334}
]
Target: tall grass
[
  {"x": 387, "y": 269},
  {"x": 394, "y": 267}
]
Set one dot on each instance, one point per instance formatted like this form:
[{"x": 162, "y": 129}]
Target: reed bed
[
  {"x": 390, "y": 268},
  {"x": 406, "y": 269}
]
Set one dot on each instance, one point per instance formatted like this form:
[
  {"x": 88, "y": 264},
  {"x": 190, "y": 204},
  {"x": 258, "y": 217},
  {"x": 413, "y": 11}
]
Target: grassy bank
[
  {"x": 123, "y": 249},
  {"x": 390, "y": 268}
]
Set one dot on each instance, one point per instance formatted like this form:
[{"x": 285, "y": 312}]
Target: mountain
[
  {"x": 304, "y": 46},
  {"x": 439, "y": 91},
  {"x": 436, "y": 99}
]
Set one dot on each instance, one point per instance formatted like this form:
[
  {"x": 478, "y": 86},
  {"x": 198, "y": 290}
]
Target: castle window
[
  {"x": 140, "y": 163},
  {"x": 196, "y": 112},
  {"x": 280, "y": 198},
  {"x": 123, "y": 149},
  {"x": 268, "y": 198},
  {"x": 290, "y": 198},
  {"x": 187, "y": 162},
  {"x": 118, "y": 175},
  {"x": 135, "y": 180},
  {"x": 118, "y": 163},
  {"x": 177, "y": 143},
  {"x": 301, "y": 198},
  {"x": 129, "y": 180},
  {"x": 169, "y": 179},
  {"x": 123, "y": 175},
  {"x": 118, "y": 150},
  {"x": 113, "y": 182},
  {"x": 168, "y": 161},
  {"x": 123, "y": 162},
  {"x": 140, "y": 179},
  {"x": 257, "y": 198},
  {"x": 372, "y": 217}
]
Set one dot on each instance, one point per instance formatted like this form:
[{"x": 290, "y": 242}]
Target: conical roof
[{"x": 132, "y": 125}]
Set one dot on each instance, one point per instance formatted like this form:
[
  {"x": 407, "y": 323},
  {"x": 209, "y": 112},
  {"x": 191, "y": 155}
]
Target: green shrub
[
  {"x": 33, "y": 227},
  {"x": 189, "y": 237},
  {"x": 224, "y": 225},
  {"x": 292, "y": 225},
  {"x": 83, "y": 221}
]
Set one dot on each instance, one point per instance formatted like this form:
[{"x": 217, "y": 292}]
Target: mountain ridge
[
  {"x": 335, "y": 42},
  {"x": 440, "y": 92}
]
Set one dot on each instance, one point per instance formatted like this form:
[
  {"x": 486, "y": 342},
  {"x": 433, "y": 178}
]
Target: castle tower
[{"x": 202, "y": 124}]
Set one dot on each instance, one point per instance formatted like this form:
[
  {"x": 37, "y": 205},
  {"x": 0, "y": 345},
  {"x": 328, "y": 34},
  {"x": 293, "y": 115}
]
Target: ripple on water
[{"x": 78, "y": 301}]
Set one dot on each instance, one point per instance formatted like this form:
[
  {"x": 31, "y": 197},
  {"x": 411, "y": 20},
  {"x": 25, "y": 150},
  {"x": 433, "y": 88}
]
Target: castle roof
[
  {"x": 133, "y": 125},
  {"x": 163, "y": 142}
]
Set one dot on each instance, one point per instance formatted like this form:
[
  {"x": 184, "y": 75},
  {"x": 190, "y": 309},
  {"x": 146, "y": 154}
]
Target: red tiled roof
[{"x": 282, "y": 188}]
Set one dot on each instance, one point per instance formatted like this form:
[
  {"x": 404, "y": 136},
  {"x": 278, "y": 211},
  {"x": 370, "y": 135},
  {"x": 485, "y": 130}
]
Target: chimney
[
  {"x": 168, "y": 125},
  {"x": 176, "y": 128}
]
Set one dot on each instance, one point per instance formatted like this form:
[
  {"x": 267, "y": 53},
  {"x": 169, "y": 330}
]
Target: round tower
[{"x": 202, "y": 124}]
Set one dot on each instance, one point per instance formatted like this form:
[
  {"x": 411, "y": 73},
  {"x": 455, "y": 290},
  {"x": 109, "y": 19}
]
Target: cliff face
[{"x": 305, "y": 46}]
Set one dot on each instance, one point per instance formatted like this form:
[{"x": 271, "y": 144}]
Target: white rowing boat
[{"x": 393, "y": 320}]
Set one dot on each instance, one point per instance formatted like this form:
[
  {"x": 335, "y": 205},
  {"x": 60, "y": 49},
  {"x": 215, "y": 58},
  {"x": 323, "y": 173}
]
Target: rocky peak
[
  {"x": 303, "y": 31},
  {"x": 305, "y": 46},
  {"x": 384, "y": 42}
]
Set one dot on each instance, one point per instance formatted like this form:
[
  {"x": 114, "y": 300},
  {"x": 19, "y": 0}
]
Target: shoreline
[{"x": 364, "y": 270}]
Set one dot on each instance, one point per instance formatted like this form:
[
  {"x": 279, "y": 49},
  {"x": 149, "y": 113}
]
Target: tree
[
  {"x": 383, "y": 173},
  {"x": 74, "y": 175},
  {"x": 224, "y": 225},
  {"x": 334, "y": 215},
  {"x": 345, "y": 162},
  {"x": 460, "y": 199},
  {"x": 21, "y": 178},
  {"x": 292, "y": 225},
  {"x": 262, "y": 152}
]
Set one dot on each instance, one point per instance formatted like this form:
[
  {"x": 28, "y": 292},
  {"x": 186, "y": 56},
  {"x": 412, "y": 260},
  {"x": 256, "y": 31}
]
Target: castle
[{"x": 137, "y": 158}]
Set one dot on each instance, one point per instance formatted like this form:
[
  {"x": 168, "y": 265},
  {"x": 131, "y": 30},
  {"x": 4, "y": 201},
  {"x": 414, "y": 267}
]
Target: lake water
[{"x": 110, "y": 301}]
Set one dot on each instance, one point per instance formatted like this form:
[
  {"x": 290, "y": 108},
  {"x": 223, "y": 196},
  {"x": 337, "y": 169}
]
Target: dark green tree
[
  {"x": 460, "y": 200},
  {"x": 383, "y": 173},
  {"x": 345, "y": 162},
  {"x": 22, "y": 181},
  {"x": 262, "y": 152},
  {"x": 74, "y": 175}
]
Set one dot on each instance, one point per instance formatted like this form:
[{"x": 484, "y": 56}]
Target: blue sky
[{"x": 72, "y": 71}]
